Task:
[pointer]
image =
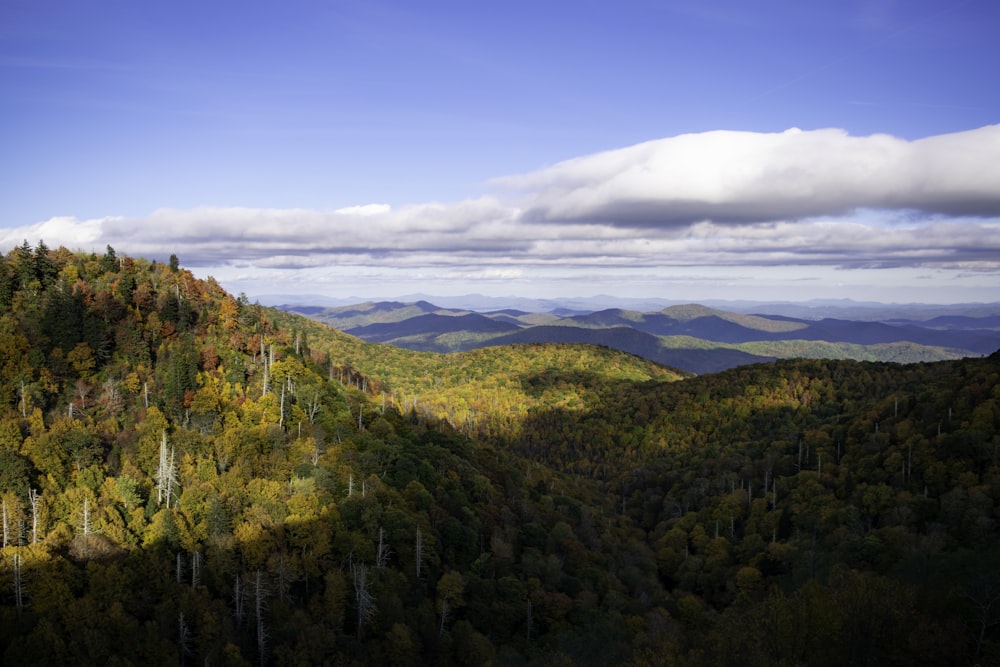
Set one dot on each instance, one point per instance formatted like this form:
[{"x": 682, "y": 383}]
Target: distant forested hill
[
  {"x": 692, "y": 338},
  {"x": 189, "y": 478}
]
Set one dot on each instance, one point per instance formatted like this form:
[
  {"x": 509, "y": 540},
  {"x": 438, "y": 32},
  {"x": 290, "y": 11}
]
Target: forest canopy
[{"x": 187, "y": 477}]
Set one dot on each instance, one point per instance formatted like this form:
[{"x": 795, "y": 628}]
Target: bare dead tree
[
  {"x": 318, "y": 436},
  {"x": 312, "y": 404},
  {"x": 6, "y": 522},
  {"x": 183, "y": 637},
  {"x": 267, "y": 366},
  {"x": 362, "y": 596},
  {"x": 418, "y": 551},
  {"x": 984, "y": 596},
  {"x": 284, "y": 578},
  {"x": 18, "y": 586},
  {"x": 445, "y": 614},
  {"x": 239, "y": 602},
  {"x": 111, "y": 396},
  {"x": 34, "y": 500},
  {"x": 382, "y": 553},
  {"x": 281, "y": 410},
  {"x": 86, "y": 526},
  {"x": 24, "y": 401},
  {"x": 195, "y": 569},
  {"x": 166, "y": 473},
  {"x": 528, "y": 621},
  {"x": 82, "y": 391},
  {"x": 260, "y": 606}
]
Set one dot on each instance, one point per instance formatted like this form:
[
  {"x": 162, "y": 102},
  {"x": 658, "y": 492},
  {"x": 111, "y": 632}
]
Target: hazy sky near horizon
[{"x": 687, "y": 149}]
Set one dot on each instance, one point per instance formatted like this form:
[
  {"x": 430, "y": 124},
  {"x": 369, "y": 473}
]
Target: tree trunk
[{"x": 418, "y": 551}]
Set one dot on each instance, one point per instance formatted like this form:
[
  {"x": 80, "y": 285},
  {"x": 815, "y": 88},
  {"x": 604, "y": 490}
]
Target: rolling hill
[{"x": 692, "y": 338}]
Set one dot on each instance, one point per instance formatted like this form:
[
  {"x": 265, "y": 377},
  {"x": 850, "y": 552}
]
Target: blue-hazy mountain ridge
[{"x": 691, "y": 337}]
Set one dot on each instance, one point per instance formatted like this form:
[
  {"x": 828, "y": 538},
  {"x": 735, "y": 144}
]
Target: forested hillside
[
  {"x": 692, "y": 338},
  {"x": 189, "y": 478}
]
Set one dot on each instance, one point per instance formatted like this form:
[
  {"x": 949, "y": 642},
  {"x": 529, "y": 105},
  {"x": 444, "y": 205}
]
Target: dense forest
[{"x": 189, "y": 478}]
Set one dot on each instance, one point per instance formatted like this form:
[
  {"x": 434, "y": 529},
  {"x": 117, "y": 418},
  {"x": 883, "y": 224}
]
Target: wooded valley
[{"x": 190, "y": 478}]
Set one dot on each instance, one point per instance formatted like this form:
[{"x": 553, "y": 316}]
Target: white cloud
[
  {"x": 62, "y": 230},
  {"x": 741, "y": 177},
  {"x": 798, "y": 202},
  {"x": 276, "y": 236},
  {"x": 365, "y": 209}
]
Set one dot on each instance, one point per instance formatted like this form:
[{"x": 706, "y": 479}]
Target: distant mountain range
[
  {"x": 690, "y": 337},
  {"x": 815, "y": 309}
]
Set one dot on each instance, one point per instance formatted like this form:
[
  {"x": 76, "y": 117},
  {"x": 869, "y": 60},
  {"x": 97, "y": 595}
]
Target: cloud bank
[
  {"x": 820, "y": 199},
  {"x": 747, "y": 177}
]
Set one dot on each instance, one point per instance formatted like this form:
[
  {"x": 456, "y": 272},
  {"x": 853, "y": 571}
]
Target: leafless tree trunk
[
  {"x": 18, "y": 585},
  {"x": 260, "y": 605},
  {"x": 171, "y": 476},
  {"x": 6, "y": 524},
  {"x": 195, "y": 569},
  {"x": 528, "y": 621},
  {"x": 382, "y": 555},
  {"x": 111, "y": 395},
  {"x": 82, "y": 390},
  {"x": 166, "y": 473},
  {"x": 445, "y": 612},
  {"x": 86, "y": 518},
  {"x": 315, "y": 455},
  {"x": 239, "y": 601},
  {"x": 85, "y": 525},
  {"x": 284, "y": 582},
  {"x": 312, "y": 404},
  {"x": 418, "y": 551},
  {"x": 34, "y": 500},
  {"x": 281, "y": 409},
  {"x": 365, "y": 601},
  {"x": 183, "y": 637},
  {"x": 267, "y": 366},
  {"x": 985, "y": 598}
]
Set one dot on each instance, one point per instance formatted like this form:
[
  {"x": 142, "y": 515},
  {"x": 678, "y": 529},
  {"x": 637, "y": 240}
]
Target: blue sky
[{"x": 685, "y": 150}]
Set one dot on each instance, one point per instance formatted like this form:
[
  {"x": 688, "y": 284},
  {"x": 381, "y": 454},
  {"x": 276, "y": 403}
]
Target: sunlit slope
[{"x": 480, "y": 390}]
